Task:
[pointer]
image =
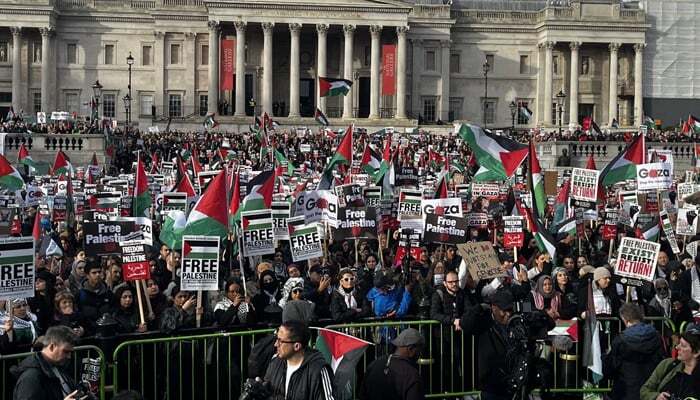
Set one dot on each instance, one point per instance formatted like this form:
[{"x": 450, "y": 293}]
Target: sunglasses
[
  {"x": 296, "y": 290},
  {"x": 349, "y": 279}
]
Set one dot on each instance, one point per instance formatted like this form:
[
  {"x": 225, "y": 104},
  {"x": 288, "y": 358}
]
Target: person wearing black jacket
[
  {"x": 633, "y": 356},
  {"x": 347, "y": 303},
  {"x": 311, "y": 377},
  {"x": 94, "y": 298}
]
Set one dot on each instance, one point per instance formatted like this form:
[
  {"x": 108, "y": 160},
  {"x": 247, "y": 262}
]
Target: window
[
  {"x": 174, "y": 54},
  {"x": 175, "y": 105},
  {"x": 555, "y": 65},
  {"x": 203, "y": 104},
  {"x": 524, "y": 64},
  {"x": 36, "y": 52},
  {"x": 492, "y": 62},
  {"x": 4, "y": 57},
  {"x": 5, "y": 97},
  {"x": 109, "y": 54},
  {"x": 524, "y": 113},
  {"x": 489, "y": 111},
  {"x": 430, "y": 60},
  {"x": 71, "y": 53},
  {"x": 72, "y": 102},
  {"x": 585, "y": 65},
  {"x": 455, "y": 108},
  {"x": 146, "y": 104},
  {"x": 146, "y": 55},
  {"x": 454, "y": 63},
  {"x": 429, "y": 108},
  {"x": 204, "y": 54},
  {"x": 36, "y": 100},
  {"x": 108, "y": 105}
]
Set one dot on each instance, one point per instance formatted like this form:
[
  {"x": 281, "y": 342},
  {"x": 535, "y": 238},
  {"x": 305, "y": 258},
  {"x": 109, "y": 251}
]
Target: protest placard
[
  {"x": 410, "y": 203},
  {"x": 449, "y": 206},
  {"x": 145, "y": 225},
  {"x": 478, "y": 220},
  {"x": 692, "y": 248},
  {"x": 578, "y": 214},
  {"x": 444, "y": 229},
  {"x": 663, "y": 155},
  {"x": 373, "y": 196},
  {"x": 304, "y": 239},
  {"x": 409, "y": 244},
  {"x": 258, "y": 233},
  {"x": 654, "y": 176},
  {"x": 200, "y": 263},
  {"x": 280, "y": 213},
  {"x": 60, "y": 208},
  {"x": 486, "y": 190},
  {"x": 463, "y": 191},
  {"x": 584, "y": 184},
  {"x": 610, "y": 224},
  {"x": 17, "y": 267},
  {"x": 34, "y": 195},
  {"x": 668, "y": 230},
  {"x": 687, "y": 221},
  {"x": 356, "y": 223},
  {"x": 481, "y": 259},
  {"x": 513, "y": 231},
  {"x": 636, "y": 259},
  {"x": 125, "y": 203},
  {"x": 172, "y": 201},
  {"x": 317, "y": 206},
  {"x": 651, "y": 202},
  {"x": 406, "y": 176},
  {"x": 103, "y": 237},
  {"x": 349, "y": 195},
  {"x": 135, "y": 265}
]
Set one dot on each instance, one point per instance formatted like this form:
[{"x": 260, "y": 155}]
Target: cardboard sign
[
  {"x": 258, "y": 233},
  {"x": 304, "y": 239},
  {"x": 513, "y": 231},
  {"x": 200, "y": 263},
  {"x": 17, "y": 272},
  {"x": 481, "y": 259},
  {"x": 356, "y": 223},
  {"x": 317, "y": 206},
  {"x": 450, "y": 206},
  {"x": 687, "y": 221},
  {"x": 668, "y": 230},
  {"x": 135, "y": 265},
  {"x": 578, "y": 214},
  {"x": 486, "y": 190},
  {"x": 103, "y": 237},
  {"x": 444, "y": 229},
  {"x": 478, "y": 220},
  {"x": 349, "y": 195},
  {"x": 636, "y": 259},
  {"x": 280, "y": 213},
  {"x": 654, "y": 176},
  {"x": 373, "y": 196},
  {"x": 584, "y": 184},
  {"x": 410, "y": 203},
  {"x": 610, "y": 224}
]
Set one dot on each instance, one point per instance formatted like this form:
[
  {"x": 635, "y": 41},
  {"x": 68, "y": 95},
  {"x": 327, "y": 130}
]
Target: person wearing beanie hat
[
  {"x": 601, "y": 273},
  {"x": 605, "y": 300}
]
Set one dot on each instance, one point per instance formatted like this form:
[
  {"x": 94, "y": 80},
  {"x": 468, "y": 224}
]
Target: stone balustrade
[{"x": 43, "y": 147}]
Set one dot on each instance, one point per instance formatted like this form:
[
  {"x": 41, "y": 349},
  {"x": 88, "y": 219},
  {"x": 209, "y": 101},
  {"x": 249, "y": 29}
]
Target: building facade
[{"x": 186, "y": 52}]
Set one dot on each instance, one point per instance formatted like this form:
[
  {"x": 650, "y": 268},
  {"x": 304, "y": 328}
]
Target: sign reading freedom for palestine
[{"x": 200, "y": 263}]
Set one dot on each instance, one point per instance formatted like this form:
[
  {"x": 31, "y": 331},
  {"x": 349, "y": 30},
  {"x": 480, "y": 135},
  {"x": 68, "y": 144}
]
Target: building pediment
[{"x": 325, "y": 3}]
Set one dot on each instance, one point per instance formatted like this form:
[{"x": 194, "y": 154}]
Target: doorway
[
  {"x": 363, "y": 98},
  {"x": 585, "y": 110},
  {"x": 307, "y": 91}
]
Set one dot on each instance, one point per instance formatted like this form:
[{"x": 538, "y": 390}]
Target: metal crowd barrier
[{"x": 7, "y": 380}]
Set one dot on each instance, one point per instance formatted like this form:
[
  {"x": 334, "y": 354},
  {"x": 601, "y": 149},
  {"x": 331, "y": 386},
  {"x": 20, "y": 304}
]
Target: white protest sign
[
  {"x": 487, "y": 190},
  {"x": 317, "y": 206},
  {"x": 637, "y": 259},
  {"x": 142, "y": 223},
  {"x": 654, "y": 176},
  {"x": 687, "y": 221},
  {"x": 258, "y": 233},
  {"x": 668, "y": 230},
  {"x": 17, "y": 267},
  {"x": 450, "y": 206},
  {"x": 410, "y": 203},
  {"x": 200, "y": 263},
  {"x": 584, "y": 184},
  {"x": 304, "y": 239}
]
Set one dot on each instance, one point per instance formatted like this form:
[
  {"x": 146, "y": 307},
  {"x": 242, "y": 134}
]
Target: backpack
[{"x": 260, "y": 356}]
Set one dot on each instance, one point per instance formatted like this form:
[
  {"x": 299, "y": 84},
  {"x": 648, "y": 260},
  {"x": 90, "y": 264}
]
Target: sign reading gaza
[
  {"x": 444, "y": 229},
  {"x": 654, "y": 176},
  {"x": 200, "y": 263},
  {"x": 103, "y": 237}
]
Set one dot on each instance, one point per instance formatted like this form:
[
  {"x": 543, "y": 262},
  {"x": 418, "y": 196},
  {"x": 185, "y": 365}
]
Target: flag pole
[
  {"x": 148, "y": 300},
  {"x": 199, "y": 305}
]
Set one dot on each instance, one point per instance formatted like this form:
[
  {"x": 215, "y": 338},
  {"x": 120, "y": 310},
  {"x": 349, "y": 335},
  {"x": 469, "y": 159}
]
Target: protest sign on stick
[
  {"x": 687, "y": 221},
  {"x": 200, "y": 266},
  {"x": 513, "y": 233},
  {"x": 668, "y": 230},
  {"x": 637, "y": 258},
  {"x": 258, "y": 233},
  {"x": 481, "y": 259},
  {"x": 305, "y": 239},
  {"x": 444, "y": 229},
  {"x": 280, "y": 213},
  {"x": 584, "y": 184}
]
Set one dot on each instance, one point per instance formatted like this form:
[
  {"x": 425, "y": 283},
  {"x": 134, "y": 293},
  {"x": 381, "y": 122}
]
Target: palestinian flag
[
  {"x": 105, "y": 200},
  {"x": 624, "y": 165},
  {"x": 561, "y": 203},
  {"x": 18, "y": 252},
  {"x": 10, "y": 178},
  {"x": 36, "y": 230},
  {"x": 196, "y": 166},
  {"x": 524, "y": 112},
  {"x": 333, "y": 87},
  {"x": 410, "y": 196},
  {"x": 256, "y": 220},
  {"x": 536, "y": 182},
  {"x": 497, "y": 154},
  {"x": 320, "y": 117},
  {"x": 280, "y": 159},
  {"x": 592, "y": 358},
  {"x": 342, "y": 156},
  {"x": 371, "y": 160},
  {"x": 259, "y": 192},
  {"x": 175, "y": 201},
  {"x": 142, "y": 196},
  {"x": 24, "y": 158},
  {"x": 443, "y": 180},
  {"x": 545, "y": 241},
  {"x": 200, "y": 248},
  {"x": 185, "y": 185},
  {"x": 235, "y": 204},
  {"x": 693, "y": 123},
  {"x": 435, "y": 159},
  {"x": 651, "y": 231},
  {"x": 590, "y": 164},
  {"x": 210, "y": 122},
  {"x": 568, "y": 226},
  {"x": 173, "y": 228},
  {"x": 649, "y": 122},
  {"x": 61, "y": 165},
  {"x": 342, "y": 352},
  {"x": 209, "y": 216}
]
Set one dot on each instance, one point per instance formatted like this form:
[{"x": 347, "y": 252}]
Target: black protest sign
[
  {"x": 356, "y": 223},
  {"x": 103, "y": 237},
  {"x": 406, "y": 176},
  {"x": 60, "y": 207},
  {"x": 135, "y": 265},
  {"x": 513, "y": 233},
  {"x": 350, "y": 195},
  {"x": 444, "y": 229}
]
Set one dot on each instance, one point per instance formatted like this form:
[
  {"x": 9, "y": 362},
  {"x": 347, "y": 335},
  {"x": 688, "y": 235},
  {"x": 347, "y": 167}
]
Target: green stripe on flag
[{"x": 17, "y": 260}]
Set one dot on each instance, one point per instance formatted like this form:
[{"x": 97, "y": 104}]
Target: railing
[{"x": 7, "y": 380}]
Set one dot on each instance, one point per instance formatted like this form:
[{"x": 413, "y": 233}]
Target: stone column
[
  {"x": 159, "y": 63},
  {"x": 573, "y": 90},
  {"x": 376, "y": 34},
  {"x": 445, "y": 78},
  {"x": 348, "y": 31},
  {"x": 240, "y": 68},
  {"x": 416, "y": 73},
  {"x": 321, "y": 30},
  {"x": 46, "y": 81},
  {"x": 267, "y": 67},
  {"x": 612, "y": 108},
  {"x": 213, "y": 93},
  {"x": 16, "y": 68},
  {"x": 401, "y": 72},
  {"x": 294, "y": 30},
  {"x": 638, "y": 73},
  {"x": 191, "y": 97},
  {"x": 547, "y": 117}
]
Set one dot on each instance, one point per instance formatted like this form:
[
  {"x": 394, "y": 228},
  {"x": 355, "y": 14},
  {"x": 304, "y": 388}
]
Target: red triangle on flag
[
  {"x": 186, "y": 249},
  {"x": 340, "y": 343}
]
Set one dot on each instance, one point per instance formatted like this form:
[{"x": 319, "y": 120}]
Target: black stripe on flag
[
  {"x": 202, "y": 243},
  {"x": 17, "y": 246}
]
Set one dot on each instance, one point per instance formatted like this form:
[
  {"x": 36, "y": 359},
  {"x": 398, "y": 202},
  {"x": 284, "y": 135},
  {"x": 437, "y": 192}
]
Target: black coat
[
  {"x": 401, "y": 382},
  {"x": 609, "y": 292},
  {"x": 446, "y": 307},
  {"x": 340, "y": 311},
  {"x": 36, "y": 381},
  {"x": 310, "y": 382}
]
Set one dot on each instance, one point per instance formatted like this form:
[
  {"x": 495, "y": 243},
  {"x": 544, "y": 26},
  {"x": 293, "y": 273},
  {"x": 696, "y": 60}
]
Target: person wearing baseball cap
[{"x": 396, "y": 376}]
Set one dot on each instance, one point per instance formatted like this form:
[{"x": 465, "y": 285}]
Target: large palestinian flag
[
  {"x": 624, "y": 165},
  {"x": 10, "y": 178},
  {"x": 498, "y": 156},
  {"x": 536, "y": 182},
  {"x": 342, "y": 352},
  {"x": 173, "y": 228},
  {"x": 259, "y": 192},
  {"x": 61, "y": 165},
  {"x": 24, "y": 158},
  {"x": 342, "y": 156},
  {"x": 333, "y": 87},
  {"x": 209, "y": 216}
]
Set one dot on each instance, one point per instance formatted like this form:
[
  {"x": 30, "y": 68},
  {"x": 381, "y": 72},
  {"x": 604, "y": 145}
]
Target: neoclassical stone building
[{"x": 53, "y": 51}]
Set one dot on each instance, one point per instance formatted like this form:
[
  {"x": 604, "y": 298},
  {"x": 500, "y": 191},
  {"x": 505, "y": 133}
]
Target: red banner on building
[
  {"x": 228, "y": 64},
  {"x": 388, "y": 70}
]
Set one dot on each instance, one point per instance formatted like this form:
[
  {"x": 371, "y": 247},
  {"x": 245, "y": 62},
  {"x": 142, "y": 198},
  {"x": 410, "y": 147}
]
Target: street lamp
[
  {"x": 129, "y": 62},
  {"x": 513, "y": 110},
  {"x": 561, "y": 96},
  {"x": 487, "y": 68},
  {"x": 96, "y": 93}
]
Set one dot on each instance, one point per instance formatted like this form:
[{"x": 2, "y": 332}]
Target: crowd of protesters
[{"x": 366, "y": 280}]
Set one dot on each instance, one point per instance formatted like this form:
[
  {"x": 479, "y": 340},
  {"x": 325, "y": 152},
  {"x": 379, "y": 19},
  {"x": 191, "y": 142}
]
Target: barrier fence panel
[{"x": 7, "y": 379}]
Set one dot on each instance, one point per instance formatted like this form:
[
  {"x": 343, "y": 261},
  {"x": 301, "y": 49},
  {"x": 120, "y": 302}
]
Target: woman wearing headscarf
[
  {"x": 294, "y": 305},
  {"x": 545, "y": 298},
  {"x": 77, "y": 275},
  {"x": 567, "y": 308},
  {"x": 266, "y": 303},
  {"x": 18, "y": 331},
  {"x": 347, "y": 303}
]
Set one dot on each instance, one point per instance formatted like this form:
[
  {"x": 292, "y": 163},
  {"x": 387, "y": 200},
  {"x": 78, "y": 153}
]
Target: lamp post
[
  {"x": 561, "y": 96},
  {"x": 513, "y": 110},
  {"x": 487, "y": 68},
  {"x": 96, "y": 93},
  {"x": 127, "y": 98}
]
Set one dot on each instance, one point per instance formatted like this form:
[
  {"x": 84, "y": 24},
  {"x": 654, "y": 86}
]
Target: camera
[
  {"x": 255, "y": 389},
  {"x": 84, "y": 391}
]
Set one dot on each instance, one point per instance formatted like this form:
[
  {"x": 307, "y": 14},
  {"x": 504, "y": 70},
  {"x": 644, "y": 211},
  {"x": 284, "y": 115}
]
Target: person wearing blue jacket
[{"x": 388, "y": 299}]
